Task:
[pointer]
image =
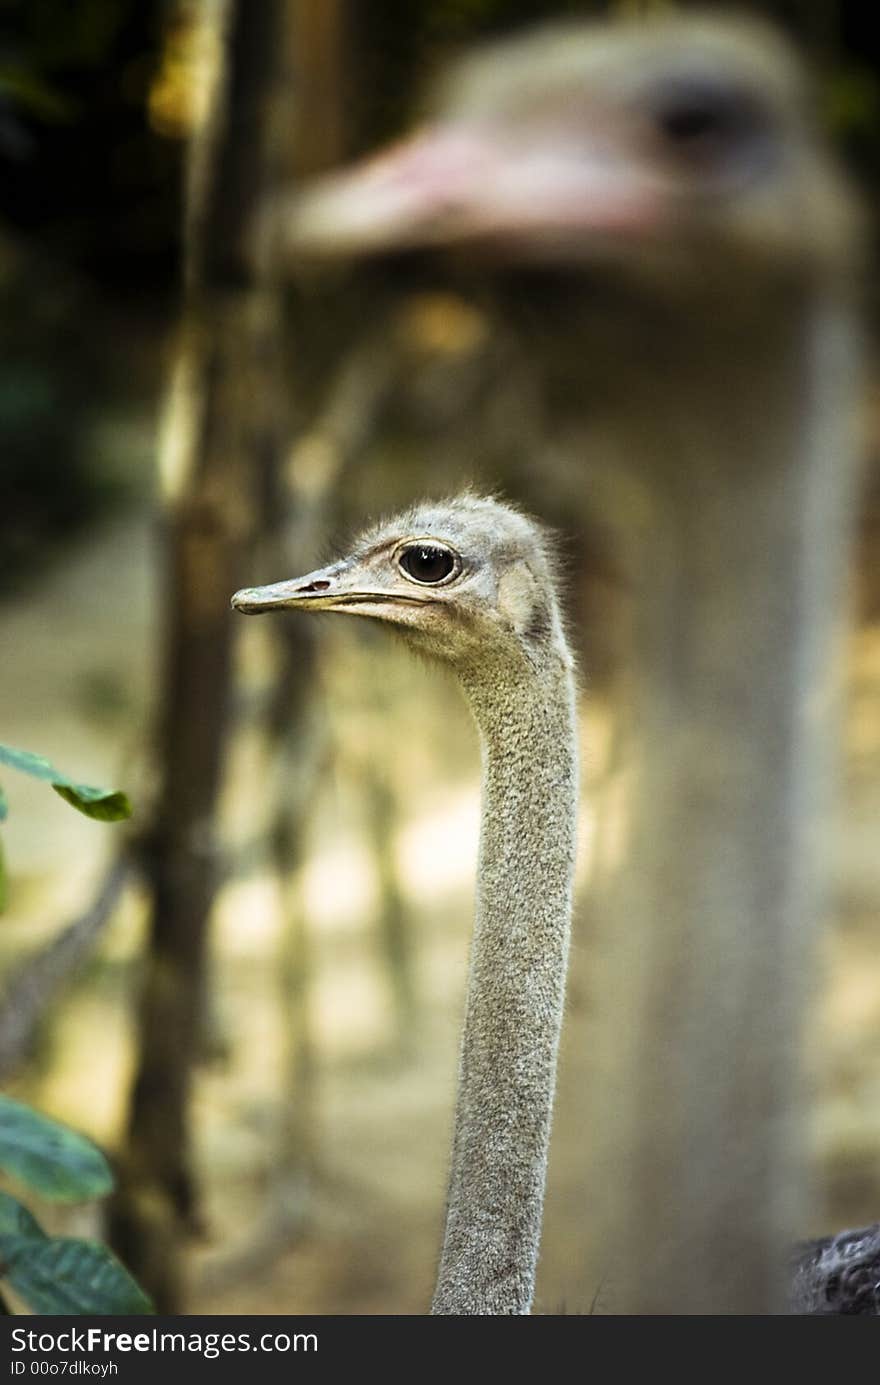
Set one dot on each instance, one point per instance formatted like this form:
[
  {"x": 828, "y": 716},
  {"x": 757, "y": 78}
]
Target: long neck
[
  {"x": 515, "y": 990},
  {"x": 745, "y": 473}
]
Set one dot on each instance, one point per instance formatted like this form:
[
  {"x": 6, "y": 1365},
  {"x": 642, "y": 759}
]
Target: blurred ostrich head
[{"x": 670, "y": 146}]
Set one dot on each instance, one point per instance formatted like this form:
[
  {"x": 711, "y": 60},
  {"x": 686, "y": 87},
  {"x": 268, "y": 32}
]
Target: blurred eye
[
  {"x": 703, "y": 117},
  {"x": 686, "y": 123},
  {"x": 429, "y": 563}
]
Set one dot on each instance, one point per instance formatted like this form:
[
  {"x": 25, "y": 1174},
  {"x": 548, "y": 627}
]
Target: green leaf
[
  {"x": 29, "y": 763},
  {"x": 59, "y": 1274},
  {"x": 4, "y": 806},
  {"x": 102, "y": 804},
  {"x": 16, "y": 1220},
  {"x": 106, "y": 805},
  {"x": 56, "y": 1162},
  {"x": 64, "y": 1275}
]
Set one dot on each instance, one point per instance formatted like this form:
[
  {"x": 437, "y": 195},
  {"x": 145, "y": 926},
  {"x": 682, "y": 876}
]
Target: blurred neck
[{"x": 740, "y": 460}]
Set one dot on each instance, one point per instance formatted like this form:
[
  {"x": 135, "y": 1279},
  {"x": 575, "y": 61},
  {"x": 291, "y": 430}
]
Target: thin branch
[{"x": 31, "y": 990}]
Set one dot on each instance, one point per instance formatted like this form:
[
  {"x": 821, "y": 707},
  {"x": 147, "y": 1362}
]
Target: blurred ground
[{"x": 78, "y": 652}]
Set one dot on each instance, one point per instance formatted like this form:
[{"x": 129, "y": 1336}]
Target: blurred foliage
[
  {"x": 82, "y": 168},
  {"x": 56, "y": 375},
  {"x": 88, "y": 217},
  {"x": 63, "y": 1274},
  {"x": 57, "y": 1274},
  {"x": 49, "y": 1158}
]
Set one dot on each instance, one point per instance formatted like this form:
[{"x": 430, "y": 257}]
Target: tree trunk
[{"x": 222, "y": 418}]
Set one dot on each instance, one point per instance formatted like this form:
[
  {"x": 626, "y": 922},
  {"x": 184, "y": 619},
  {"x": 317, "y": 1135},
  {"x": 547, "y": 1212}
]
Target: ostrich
[
  {"x": 470, "y": 583},
  {"x": 661, "y": 218}
]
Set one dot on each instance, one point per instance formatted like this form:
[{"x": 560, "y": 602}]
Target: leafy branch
[
  {"x": 104, "y": 805},
  {"x": 57, "y": 1274}
]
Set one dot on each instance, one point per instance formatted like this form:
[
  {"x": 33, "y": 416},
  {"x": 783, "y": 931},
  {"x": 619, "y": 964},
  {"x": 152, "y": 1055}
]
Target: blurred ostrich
[
  {"x": 470, "y": 583},
  {"x": 660, "y": 214}
]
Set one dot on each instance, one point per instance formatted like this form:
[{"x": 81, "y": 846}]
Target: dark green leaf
[
  {"x": 65, "y": 1275},
  {"x": 56, "y": 1162},
  {"x": 101, "y": 804},
  {"x": 107, "y": 805},
  {"x": 17, "y": 1221},
  {"x": 4, "y": 806}
]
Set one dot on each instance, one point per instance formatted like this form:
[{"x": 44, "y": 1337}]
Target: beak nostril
[{"x": 313, "y": 587}]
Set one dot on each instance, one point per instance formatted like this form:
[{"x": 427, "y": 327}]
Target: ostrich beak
[
  {"x": 452, "y": 184},
  {"x": 341, "y": 587},
  {"x": 320, "y": 590}
]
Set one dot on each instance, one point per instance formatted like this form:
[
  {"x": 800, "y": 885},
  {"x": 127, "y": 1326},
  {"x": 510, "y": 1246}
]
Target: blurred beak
[{"x": 456, "y": 184}]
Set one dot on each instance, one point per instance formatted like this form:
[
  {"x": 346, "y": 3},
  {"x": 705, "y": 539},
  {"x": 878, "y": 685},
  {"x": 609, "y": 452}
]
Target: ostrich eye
[
  {"x": 686, "y": 123},
  {"x": 428, "y": 563},
  {"x": 699, "y": 117}
]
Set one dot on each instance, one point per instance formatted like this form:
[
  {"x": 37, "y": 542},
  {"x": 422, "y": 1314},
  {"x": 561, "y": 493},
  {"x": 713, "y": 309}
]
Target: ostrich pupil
[
  {"x": 689, "y": 122},
  {"x": 426, "y": 563},
  {"x": 698, "y": 112}
]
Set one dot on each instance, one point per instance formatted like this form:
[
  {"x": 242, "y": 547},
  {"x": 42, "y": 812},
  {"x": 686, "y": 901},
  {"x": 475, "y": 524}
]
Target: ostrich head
[
  {"x": 669, "y": 147},
  {"x": 466, "y": 581}
]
